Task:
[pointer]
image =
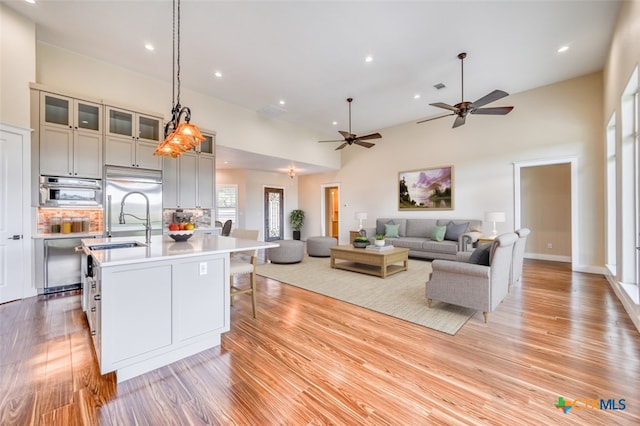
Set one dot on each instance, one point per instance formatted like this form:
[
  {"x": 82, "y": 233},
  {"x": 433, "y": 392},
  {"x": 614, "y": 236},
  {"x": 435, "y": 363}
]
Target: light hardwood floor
[{"x": 311, "y": 360}]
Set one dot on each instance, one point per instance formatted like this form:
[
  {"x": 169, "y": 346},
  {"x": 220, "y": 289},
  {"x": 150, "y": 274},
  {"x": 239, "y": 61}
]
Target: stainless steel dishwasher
[{"x": 61, "y": 265}]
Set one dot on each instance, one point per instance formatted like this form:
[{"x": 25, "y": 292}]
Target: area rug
[{"x": 399, "y": 295}]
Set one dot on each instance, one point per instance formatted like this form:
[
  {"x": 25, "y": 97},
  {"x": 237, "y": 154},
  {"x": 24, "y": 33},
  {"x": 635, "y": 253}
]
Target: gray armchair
[
  {"x": 471, "y": 285},
  {"x": 518, "y": 257}
]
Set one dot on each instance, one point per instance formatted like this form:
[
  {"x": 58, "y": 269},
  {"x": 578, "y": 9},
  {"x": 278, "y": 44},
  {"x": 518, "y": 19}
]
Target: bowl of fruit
[{"x": 181, "y": 231}]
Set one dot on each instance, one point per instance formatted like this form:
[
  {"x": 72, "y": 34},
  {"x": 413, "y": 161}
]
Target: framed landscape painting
[{"x": 427, "y": 189}]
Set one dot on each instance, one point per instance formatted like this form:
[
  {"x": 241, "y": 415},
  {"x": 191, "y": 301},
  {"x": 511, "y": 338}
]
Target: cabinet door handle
[
  {"x": 97, "y": 297},
  {"x": 93, "y": 332},
  {"x": 93, "y": 309}
]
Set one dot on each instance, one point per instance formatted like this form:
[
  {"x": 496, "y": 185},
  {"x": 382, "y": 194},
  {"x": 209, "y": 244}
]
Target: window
[{"x": 227, "y": 203}]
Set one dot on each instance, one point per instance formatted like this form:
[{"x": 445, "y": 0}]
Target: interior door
[
  {"x": 273, "y": 214},
  {"x": 12, "y": 216},
  {"x": 332, "y": 211}
]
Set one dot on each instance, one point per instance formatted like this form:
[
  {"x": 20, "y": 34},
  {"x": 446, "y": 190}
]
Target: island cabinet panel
[
  {"x": 198, "y": 284},
  {"x": 136, "y": 311},
  {"x": 152, "y": 313}
]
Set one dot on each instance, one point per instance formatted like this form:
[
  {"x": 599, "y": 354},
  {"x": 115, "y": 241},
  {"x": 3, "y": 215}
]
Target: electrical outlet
[
  {"x": 203, "y": 268},
  {"x": 549, "y": 245}
]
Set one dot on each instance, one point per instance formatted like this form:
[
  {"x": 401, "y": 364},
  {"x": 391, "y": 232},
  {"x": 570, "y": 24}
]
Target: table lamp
[
  {"x": 361, "y": 216},
  {"x": 494, "y": 217}
]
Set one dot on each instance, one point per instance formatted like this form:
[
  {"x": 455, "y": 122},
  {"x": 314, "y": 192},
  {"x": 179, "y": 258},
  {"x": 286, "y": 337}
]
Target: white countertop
[{"x": 163, "y": 247}]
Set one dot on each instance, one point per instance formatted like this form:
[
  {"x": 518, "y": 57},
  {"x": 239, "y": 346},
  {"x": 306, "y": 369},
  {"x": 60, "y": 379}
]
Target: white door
[{"x": 14, "y": 216}]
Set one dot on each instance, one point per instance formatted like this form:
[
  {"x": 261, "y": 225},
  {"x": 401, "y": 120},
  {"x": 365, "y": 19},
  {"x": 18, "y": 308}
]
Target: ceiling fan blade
[
  {"x": 364, "y": 144},
  {"x": 346, "y": 135},
  {"x": 487, "y": 99},
  {"x": 445, "y": 106},
  {"x": 337, "y": 140},
  {"x": 459, "y": 121},
  {"x": 493, "y": 111},
  {"x": 434, "y": 118},
  {"x": 341, "y": 146},
  {"x": 371, "y": 136}
]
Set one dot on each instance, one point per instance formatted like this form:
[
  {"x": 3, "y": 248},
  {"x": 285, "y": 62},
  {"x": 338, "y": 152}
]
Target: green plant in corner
[{"x": 296, "y": 218}]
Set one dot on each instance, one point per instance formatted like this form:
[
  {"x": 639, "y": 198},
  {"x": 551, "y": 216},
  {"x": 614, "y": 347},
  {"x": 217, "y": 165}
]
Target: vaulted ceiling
[{"x": 312, "y": 55}]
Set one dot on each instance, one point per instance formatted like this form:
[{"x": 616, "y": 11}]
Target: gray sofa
[{"x": 415, "y": 234}]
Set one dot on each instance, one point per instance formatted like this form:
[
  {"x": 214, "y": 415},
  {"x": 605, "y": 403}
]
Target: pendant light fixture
[{"x": 179, "y": 136}]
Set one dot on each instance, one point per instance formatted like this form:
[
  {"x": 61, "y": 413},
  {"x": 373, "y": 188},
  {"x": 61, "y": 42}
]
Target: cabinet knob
[
  {"x": 97, "y": 297},
  {"x": 93, "y": 332},
  {"x": 93, "y": 309}
]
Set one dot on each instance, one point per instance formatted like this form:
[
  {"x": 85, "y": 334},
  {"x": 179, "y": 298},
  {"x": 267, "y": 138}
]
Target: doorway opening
[
  {"x": 330, "y": 206},
  {"x": 527, "y": 177}
]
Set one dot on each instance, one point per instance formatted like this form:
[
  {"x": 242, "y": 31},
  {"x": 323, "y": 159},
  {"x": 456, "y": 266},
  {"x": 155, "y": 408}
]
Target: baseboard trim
[
  {"x": 628, "y": 304},
  {"x": 551, "y": 257}
]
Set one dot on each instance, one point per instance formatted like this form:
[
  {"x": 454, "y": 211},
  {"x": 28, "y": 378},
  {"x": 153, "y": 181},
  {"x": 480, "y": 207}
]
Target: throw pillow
[
  {"x": 454, "y": 231},
  {"x": 437, "y": 233},
  {"x": 391, "y": 231},
  {"x": 480, "y": 256}
]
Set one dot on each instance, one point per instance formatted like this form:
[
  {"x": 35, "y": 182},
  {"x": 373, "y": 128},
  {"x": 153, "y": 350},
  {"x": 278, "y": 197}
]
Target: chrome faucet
[{"x": 147, "y": 225}]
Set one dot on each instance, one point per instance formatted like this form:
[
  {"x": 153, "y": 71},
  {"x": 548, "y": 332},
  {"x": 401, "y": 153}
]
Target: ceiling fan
[
  {"x": 350, "y": 138},
  {"x": 464, "y": 108}
]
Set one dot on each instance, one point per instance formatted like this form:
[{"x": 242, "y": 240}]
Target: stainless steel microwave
[{"x": 64, "y": 191}]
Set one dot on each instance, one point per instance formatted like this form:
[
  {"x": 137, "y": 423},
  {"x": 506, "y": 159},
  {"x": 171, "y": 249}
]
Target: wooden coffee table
[{"x": 378, "y": 263}]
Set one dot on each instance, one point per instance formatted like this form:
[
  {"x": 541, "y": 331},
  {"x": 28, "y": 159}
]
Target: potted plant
[
  {"x": 360, "y": 242},
  {"x": 296, "y": 218},
  {"x": 379, "y": 240}
]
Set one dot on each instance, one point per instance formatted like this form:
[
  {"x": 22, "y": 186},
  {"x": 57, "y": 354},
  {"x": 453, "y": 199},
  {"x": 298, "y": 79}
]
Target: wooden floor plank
[{"x": 309, "y": 359}]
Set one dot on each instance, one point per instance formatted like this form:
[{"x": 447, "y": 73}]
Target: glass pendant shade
[{"x": 191, "y": 131}]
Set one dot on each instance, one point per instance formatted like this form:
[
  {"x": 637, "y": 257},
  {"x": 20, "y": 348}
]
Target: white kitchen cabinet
[
  {"x": 132, "y": 138},
  {"x": 150, "y": 314},
  {"x": 189, "y": 180},
  {"x": 70, "y": 136}
]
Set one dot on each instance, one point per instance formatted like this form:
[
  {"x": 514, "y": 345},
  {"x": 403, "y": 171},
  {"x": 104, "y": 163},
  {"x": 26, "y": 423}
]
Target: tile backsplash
[{"x": 45, "y": 214}]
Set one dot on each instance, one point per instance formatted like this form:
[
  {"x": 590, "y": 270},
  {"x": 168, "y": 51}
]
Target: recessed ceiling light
[
  {"x": 218, "y": 74},
  {"x": 282, "y": 102},
  {"x": 368, "y": 58},
  {"x": 416, "y": 96},
  {"x": 31, "y": 1},
  {"x": 563, "y": 49},
  {"x": 335, "y": 123},
  {"x": 149, "y": 47}
]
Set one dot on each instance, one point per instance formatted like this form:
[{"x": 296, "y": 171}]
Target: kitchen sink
[{"x": 111, "y": 246}]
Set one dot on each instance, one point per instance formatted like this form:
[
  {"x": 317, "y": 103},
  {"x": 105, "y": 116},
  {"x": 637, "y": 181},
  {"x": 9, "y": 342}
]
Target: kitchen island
[{"x": 149, "y": 305}]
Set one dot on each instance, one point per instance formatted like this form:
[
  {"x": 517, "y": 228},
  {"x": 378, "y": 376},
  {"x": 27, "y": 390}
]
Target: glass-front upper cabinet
[
  {"x": 70, "y": 113},
  {"x": 207, "y": 146},
  {"x": 132, "y": 124}
]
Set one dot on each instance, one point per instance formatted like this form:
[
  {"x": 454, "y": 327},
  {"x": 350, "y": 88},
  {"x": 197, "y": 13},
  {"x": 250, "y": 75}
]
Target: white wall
[
  {"x": 624, "y": 56},
  {"x": 235, "y": 127},
  {"x": 17, "y": 66},
  {"x": 560, "y": 120},
  {"x": 251, "y": 184}
]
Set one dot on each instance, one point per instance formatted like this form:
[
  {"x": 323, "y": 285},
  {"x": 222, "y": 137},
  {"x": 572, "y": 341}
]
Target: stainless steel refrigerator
[{"x": 119, "y": 181}]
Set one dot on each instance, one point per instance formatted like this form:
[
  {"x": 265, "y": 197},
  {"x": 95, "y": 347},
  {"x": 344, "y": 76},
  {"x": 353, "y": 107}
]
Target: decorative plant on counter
[{"x": 296, "y": 218}]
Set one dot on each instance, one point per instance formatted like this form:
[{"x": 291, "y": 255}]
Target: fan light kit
[
  {"x": 350, "y": 138},
  {"x": 463, "y": 108}
]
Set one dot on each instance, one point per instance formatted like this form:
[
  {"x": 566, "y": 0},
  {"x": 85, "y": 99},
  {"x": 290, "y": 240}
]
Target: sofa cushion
[
  {"x": 419, "y": 227},
  {"x": 391, "y": 230},
  {"x": 437, "y": 233},
  {"x": 480, "y": 256},
  {"x": 455, "y": 230},
  {"x": 391, "y": 221},
  {"x": 411, "y": 243},
  {"x": 448, "y": 247}
]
